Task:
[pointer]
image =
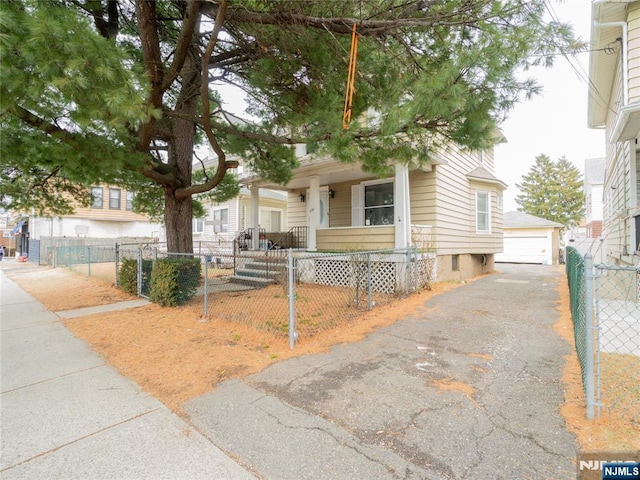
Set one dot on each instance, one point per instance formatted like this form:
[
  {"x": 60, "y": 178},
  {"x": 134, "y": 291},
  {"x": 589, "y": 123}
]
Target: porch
[
  {"x": 338, "y": 250},
  {"x": 335, "y": 207},
  {"x": 338, "y": 239}
]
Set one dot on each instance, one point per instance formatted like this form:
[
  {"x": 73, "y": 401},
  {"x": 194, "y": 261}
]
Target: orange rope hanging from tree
[{"x": 348, "y": 97}]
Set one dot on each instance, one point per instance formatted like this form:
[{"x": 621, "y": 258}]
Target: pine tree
[
  {"x": 108, "y": 91},
  {"x": 553, "y": 191}
]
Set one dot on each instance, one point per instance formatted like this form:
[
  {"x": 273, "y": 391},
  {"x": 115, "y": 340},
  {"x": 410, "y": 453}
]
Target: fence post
[
  {"x": 369, "y": 293},
  {"x": 206, "y": 285},
  {"x": 117, "y": 262},
  {"x": 89, "y": 259},
  {"x": 415, "y": 269},
  {"x": 588, "y": 320},
  {"x": 140, "y": 271},
  {"x": 292, "y": 303},
  {"x": 408, "y": 272}
]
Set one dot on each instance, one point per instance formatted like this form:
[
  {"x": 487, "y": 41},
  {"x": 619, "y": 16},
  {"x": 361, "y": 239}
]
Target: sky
[{"x": 555, "y": 122}]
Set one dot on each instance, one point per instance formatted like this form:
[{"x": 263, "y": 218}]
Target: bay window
[{"x": 483, "y": 212}]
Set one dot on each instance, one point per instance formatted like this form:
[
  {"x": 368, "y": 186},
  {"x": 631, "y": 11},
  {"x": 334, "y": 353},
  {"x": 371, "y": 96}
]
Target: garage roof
[{"x": 524, "y": 220}]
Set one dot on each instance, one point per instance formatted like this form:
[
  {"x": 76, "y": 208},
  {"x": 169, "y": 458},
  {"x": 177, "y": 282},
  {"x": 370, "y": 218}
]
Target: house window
[
  {"x": 114, "y": 198},
  {"x": 378, "y": 204},
  {"x": 483, "y": 212},
  {"x": 270, "y": 220},
  {"x": 96, "y": 197},
  {"x": 130, "y": 196},
  {"x": 276, "y": 220},
  {"x": 221, "y": 220},
  {"x": 198, "y": 225}
]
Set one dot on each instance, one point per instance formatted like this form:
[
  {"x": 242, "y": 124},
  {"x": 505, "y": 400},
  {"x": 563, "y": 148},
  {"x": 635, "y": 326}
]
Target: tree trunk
[{"x": 178, "y": 213}]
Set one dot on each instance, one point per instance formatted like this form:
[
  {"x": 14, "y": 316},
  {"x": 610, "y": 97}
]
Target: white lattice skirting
[{"x": 387, "y": 273}]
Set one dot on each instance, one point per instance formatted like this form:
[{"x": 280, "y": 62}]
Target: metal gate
[{"x": 34, "y": 251}]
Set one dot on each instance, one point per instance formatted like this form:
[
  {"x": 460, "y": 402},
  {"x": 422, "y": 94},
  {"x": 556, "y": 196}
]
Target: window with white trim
[
  {"x": 129, "y": 200},
  {"x": 483, "y": 212},
  {"x": 221, "y": 220},
  {"x": 378, "y": 204},
  {"x": 271, "y": 220},
  {"x": 198, "y": 225},
  {"x": 114, "y": 198},
  {"x": 96, "y": 197}
]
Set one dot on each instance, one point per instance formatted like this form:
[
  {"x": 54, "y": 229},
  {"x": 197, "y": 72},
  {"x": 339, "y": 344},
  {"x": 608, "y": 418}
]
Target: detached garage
[{"x": 529, "y": 239}]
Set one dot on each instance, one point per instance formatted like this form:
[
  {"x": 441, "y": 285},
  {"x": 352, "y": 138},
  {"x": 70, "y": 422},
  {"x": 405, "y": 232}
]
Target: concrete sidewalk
[
  {"x": 470, "y": 389},
  {"x": 65, "y": 414}
]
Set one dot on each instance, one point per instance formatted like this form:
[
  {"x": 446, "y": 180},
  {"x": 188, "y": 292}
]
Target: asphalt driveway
[{"x": 470, "y": 389}]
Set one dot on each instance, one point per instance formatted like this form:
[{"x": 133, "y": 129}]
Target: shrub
[
  {"x": 174, "y": 280},
  {"x": 128, "y": 276}
]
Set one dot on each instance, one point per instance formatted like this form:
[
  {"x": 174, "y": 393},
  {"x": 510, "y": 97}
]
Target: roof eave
[
  {"x": 604, "y": 13},
  {"x": 627, "y": 124}
]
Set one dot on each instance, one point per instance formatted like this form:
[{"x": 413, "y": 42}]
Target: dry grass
[
  {"x": 612, "y": 432},
  {"x": 174, "y": 353}
]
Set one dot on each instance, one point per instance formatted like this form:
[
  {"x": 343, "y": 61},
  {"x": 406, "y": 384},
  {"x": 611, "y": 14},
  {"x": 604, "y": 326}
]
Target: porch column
[
  {"x": 255, "y": 217},
  {"x": 402, "y": 206},
  {"x": 313, "y": 211}
]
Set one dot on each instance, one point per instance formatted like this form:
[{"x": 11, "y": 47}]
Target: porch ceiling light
[
  {"x": 331, "y": 193},
  {"x": 302, "y": 197}
]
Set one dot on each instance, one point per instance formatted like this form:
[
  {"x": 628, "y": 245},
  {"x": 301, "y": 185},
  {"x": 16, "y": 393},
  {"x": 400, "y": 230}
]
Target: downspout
[{"x": 625, "y": 59}]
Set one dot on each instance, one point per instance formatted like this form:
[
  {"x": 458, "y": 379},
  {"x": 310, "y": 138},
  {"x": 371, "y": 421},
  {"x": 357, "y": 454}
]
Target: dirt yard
[{"x": 175, "y": 354}]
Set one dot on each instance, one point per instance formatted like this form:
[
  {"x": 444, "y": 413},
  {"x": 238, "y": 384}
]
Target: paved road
[{"x": 468, "y": 390}]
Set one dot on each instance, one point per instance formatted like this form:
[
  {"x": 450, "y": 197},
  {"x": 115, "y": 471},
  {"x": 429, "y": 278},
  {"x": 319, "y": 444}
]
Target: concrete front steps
[{"x": 259, "y": 273}]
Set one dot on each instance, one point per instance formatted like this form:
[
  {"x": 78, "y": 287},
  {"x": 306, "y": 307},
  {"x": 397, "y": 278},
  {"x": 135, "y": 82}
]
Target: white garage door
[{"x": 525, "y": 249}]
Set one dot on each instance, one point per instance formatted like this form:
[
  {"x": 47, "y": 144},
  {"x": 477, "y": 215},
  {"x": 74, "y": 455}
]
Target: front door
[{"x": 324, "y": 207}]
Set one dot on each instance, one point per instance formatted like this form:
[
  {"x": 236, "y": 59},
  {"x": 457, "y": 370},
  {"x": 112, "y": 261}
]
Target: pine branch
[{"x": 415, "y": 16}]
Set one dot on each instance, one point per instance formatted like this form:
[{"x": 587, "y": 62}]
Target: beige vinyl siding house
[
  {"x": 614, "y": 105},
  {"x": 109, "y": 216},
  {"x": 452, "y": 208}
]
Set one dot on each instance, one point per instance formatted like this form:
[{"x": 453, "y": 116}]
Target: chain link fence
[
  {"x": 605, "y": 307},
  {"x": 300, "y": 294},
  {"x": 89, "y": 260},
  {"x": 284, "y": 292},
  {"x": 295, "y": 294},
  {"x": 577, "y": 298},
  {"x": 617, "y": 310}
]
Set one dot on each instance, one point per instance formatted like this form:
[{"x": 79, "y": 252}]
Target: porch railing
[
  {"x": 244, "y": 239},
  {"x": 296, "y": 238}
]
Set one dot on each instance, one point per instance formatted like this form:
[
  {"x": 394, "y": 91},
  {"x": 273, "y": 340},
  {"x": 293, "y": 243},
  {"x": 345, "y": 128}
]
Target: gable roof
[
  {"x": 524, "y": 220},
  {"x": 594, "y": 171},
  {"x": 481, "y": 174}
]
